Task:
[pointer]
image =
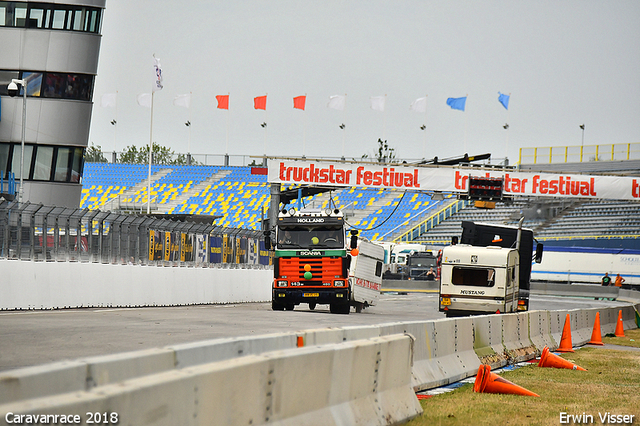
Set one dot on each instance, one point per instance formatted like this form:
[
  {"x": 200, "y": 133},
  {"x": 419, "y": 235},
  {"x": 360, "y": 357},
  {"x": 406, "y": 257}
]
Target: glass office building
[{"x": 54, "y": 47}]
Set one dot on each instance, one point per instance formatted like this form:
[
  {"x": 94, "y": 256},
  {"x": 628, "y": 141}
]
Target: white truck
[{"x": 365, "y": 275}]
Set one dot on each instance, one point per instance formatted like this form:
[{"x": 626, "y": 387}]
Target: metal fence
[{"x": 47, "y": 233}]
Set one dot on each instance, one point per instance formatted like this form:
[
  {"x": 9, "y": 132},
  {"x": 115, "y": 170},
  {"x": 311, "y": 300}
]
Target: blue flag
[
  {"x": 457, "y": 103},
  {"x": 504, "y": 100}
]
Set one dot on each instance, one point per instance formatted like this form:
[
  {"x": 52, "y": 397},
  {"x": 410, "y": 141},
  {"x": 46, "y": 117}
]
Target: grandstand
[{"x": 237, "y": 196}]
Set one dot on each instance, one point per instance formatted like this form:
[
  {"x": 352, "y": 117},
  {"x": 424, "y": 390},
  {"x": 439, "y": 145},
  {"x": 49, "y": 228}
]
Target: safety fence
[
  {"x": 579, "y": 154},
  {"x": 47, "y": 233}
]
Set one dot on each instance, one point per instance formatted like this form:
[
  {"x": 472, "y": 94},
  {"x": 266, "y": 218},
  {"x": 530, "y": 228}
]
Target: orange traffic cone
[
  {"x": 549, "y": 359},
  {"x": 488, "y": 382},
  {"x": 619, "y": 325},
  {"x": 596, "y": 335},
  {"x": 565, "y": 341}
]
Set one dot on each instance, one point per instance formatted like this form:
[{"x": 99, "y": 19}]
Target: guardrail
[{"x": 326, "y": 376}]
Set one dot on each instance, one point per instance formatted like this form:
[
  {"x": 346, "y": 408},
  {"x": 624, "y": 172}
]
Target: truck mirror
[
  {"x": 354, "y": 241},
  {"x": 539, "y": 249},
  {"x": 267, "y": 241},
  {"x": 454, "y": 240}
]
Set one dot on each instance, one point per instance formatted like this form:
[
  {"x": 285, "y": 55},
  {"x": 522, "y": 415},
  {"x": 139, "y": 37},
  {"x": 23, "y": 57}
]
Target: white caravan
[{"x": 479, "y": 280}]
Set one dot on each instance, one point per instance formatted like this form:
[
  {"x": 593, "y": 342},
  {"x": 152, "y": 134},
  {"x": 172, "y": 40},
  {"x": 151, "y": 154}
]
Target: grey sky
[{"x": 564, "y": 63}]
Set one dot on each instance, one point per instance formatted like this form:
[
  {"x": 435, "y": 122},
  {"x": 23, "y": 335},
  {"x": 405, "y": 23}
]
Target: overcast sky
[{"x": 564, "y": 63}]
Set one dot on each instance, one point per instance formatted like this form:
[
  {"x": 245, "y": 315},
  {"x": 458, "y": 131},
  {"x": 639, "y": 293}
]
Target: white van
[{"x": 476, "y": 280}]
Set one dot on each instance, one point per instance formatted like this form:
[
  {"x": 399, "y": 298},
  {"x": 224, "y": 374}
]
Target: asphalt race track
[{"x": 29, "y": 338}]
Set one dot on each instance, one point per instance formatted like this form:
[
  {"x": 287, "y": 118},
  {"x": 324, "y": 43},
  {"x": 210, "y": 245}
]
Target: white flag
[
  {"x": 182, "y": 100},
  {"x": 144, "y": 99},
  {"x": 158, "y": 70},
  {"x": 108, "y": 100},
  {"x": 377, "y": 102},
  {"x": 337, "y": 102},
  {"x": 419, "y": 105}
]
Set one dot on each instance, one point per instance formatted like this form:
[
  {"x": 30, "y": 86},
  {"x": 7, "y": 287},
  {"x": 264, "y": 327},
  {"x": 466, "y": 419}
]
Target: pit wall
[
  {"x": 57, "y": 285},
  {"x": 320, "y": 370}
]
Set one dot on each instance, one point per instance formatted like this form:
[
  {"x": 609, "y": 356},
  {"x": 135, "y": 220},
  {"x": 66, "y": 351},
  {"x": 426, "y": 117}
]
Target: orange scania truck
[{"x": 315, "y": 263}]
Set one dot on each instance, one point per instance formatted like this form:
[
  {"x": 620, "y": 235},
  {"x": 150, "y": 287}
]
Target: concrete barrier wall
[
  {"x": 55, "y": 285},
  {"x": 359, "y": 382}
]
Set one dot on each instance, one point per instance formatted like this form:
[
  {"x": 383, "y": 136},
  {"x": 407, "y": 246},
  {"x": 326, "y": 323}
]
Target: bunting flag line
[
  {"x": 108, "y": 100},
  {"x": 144, "y": 99},
  {"x": 377, "y": 103},
  {"x": 504, "y": 100},
  {"x": 457, "y": 103},
  {"x": 182, "y": 100},
  {"x": 419, "y": 105},
  {"x": 260, "y": 102},
  {"x": 299, "y": 102},
  {"x": 158, "y": 71},
  {"x": 337, "y": 102},
  {"x": 223, "y": 101}
]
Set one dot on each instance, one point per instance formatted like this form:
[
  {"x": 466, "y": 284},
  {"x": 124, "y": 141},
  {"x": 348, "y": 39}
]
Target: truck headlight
[
  {"x": 338, "y": 283},
  {"x": 282, "y": 283}
]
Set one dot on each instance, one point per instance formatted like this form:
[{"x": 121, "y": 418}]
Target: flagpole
[
  {"x": 189, "y": 144},
  {"x": 115, "y": 131},
  {"x": 344, "y": 115},
  {"x": 226, "y": 145},
  {"x": 150, "y": 149},
  {"x": 264, "y": 161},
  {"x": 304, "y": 127},
  {"x": 506, "y": 144},
  {"x": 384, "y": 119},
  {"x": 465, "y": 127},
  {"x": 425, "y": 127}
]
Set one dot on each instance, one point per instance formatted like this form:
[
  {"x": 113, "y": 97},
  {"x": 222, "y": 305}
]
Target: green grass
[{"x": 610, "y": 384}]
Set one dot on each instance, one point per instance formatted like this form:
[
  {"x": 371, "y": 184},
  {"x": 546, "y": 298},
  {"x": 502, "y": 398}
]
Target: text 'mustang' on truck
[
  {"x": 489, "y": 272},
  {"x": 315, "y": 263}
]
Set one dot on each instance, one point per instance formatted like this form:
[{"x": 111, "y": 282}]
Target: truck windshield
[
  {"x": 311, "y": 237},
  {"x": 423, "y": 262}
]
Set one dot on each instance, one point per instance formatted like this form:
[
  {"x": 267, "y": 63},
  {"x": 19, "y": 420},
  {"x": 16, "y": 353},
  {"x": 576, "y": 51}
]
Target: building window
[
  {"x": 44, "y": 158},
  {"x": 50, "y": 16},
  {"x": 43, "y": 162},
  {"x": 51, "y": 85},
  {"x": 15, "y": 162}
]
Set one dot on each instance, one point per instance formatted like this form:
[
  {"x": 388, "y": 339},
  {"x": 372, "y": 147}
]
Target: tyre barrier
[{"x": 442, "y": 351}]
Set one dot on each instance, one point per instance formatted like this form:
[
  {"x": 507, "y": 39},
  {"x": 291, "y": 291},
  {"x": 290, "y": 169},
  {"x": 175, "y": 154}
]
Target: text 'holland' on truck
[
  {"x": 489, "y": 272},
  {"x": 315, "y": 263}
]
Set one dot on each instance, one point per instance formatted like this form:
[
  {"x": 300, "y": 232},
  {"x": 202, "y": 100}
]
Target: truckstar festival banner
[{"x": 451, "y": 179}]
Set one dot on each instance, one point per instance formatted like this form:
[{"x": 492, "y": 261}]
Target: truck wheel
[
  {"x": 312, "y": 306},
  {"x": 339, "y": 308},
  {"x": 275, "y": 306},
  {"x": 290, "y": 306}
]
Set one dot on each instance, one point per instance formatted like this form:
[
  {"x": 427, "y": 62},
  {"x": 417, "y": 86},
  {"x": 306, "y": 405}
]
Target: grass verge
[{"x": 611, "y": 384}]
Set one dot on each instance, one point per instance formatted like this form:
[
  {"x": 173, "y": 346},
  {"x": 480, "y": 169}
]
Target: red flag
[
  {"x": 260, "y": 102},
  {"x": 223, "y": 101},
  {"x": 299, "y": 101}
]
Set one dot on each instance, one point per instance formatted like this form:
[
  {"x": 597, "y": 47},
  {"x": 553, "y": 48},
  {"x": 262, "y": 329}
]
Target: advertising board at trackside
[{"x": 451, "y": 179}]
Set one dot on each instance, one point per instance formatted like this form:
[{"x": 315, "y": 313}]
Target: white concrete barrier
[
  {"x": 56, "y": 285},
  {"x": 360, "y": 382},
  {"x": 487, "y": 343}
]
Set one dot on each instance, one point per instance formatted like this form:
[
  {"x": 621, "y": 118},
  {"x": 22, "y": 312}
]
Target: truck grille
[{"x": 323, "y": 269}]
